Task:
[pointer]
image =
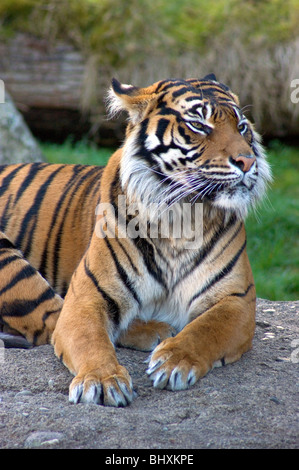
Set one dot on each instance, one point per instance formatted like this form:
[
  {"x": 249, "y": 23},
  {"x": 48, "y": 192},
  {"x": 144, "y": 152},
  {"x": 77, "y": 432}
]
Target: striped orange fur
[{"x": 73, "y": 271}]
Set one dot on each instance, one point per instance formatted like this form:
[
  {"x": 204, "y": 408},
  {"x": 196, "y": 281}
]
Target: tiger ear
[
  {"x": 129, "y": 98},
  {"x": 210, "y": 76}
]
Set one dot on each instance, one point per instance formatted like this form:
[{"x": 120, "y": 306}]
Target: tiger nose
[{"x": 244, "y": 162}]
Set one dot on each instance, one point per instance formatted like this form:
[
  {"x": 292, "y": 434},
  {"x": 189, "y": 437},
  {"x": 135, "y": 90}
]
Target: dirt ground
[{"x": 250, "y": 404}]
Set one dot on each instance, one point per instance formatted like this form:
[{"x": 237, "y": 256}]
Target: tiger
[{"x": 83, "y": 271}]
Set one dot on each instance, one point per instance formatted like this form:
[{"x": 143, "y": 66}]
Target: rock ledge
[{"x": 249, "y": 404}]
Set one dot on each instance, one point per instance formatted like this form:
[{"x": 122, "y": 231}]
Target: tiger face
[{"x": 188, "y": 140}]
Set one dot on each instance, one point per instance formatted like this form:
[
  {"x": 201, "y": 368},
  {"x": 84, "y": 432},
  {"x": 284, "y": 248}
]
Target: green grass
[
  {"x": 272, "y": 229},
  {"x": 81, "y": 153}
]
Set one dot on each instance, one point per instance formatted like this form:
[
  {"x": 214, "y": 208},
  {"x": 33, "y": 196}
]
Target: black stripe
[
  {"x": 64, "y": 289},
  {"x": 127, "y": 255},
  {"x": 7, "y": 179},
  {"x": 33, "y": 170},
  {"x": 205, "y": 251},
  {"x": 169, "y": 83},
  {"x": 161, "y": 128},
  {"x": 243, "y": 294},
  {"x": 48, "y": 313},
  {"x": 147, "y": 252},
  {"x": 221, "y": 173},
  {"x": 8, "y": 260},
  {"x": 5, "y": 216},
  {"x": 220, "y": 275},
  {"x": 25, "y": 273},
  {"x": 197, "y": 155},
  {"x": 193, "y": 98},
  {"x": 115, "y": 191},
  {"x": 37, "y": 333},
  {"x": 168, "y": 166},
  {"x": 113, "y": 308},
  {"x": 75, "y": 184},
  {"x": 21, "y": 308},
  {"x": 68, "y": 186},
  {"x": 226, "y": 103},
  {"x": 183, "y": 134},
  {"x": 43, "y": 262},
  {"x": 32, "y": 213},
  {"x": 6, "y": 244},
  {"x": 164, "y": 111},
  {"x": 95, "y": 193},
  {"x": 182, "y": 91},
  {"x": 143, "y": 153},
  {"x": 121, "y": 271},
  {"x": 220, "y": 90},
  {"x": 234, "y": 235}
]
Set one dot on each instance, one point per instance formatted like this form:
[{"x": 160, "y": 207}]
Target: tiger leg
[
  {"x": 145, "y": 336},
  {"x": 218, "y": 336},
  {"x": 28, "y": 305},
  {"x": 83, "y": 340}
]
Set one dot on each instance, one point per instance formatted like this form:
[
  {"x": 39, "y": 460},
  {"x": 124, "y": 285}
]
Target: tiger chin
[{"x": 191, "y": 305}]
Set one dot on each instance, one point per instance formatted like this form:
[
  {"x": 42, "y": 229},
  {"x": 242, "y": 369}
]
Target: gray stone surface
[
  {"x": 17, "y": 144},
  {"x": 250, "y": 404}
]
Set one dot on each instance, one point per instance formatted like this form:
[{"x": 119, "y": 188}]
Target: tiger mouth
[
  {"x": 248, "y": 185},
  {"x": 241, "y": 189},
  {"x": 211, "y": 188}
]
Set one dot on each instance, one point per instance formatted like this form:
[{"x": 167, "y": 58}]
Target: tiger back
[
  {"x": 42, "y": 241},
  {"x": 127, "y": 281}
]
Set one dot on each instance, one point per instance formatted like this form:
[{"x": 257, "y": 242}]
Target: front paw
[
  {"x": 145, "y": 336},
  {"x": 112, "y": 390},
  {"x": 175, "y": 366}
]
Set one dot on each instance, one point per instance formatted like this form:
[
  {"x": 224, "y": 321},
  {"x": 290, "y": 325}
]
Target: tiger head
[{"x": 188, "y": 140}]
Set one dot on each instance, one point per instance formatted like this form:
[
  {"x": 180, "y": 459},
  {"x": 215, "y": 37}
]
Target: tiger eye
[{"x": 198, "y": 125}]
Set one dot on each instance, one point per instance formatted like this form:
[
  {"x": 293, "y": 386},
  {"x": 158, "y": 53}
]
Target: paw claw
[
  {"x": 115, "y": 390},
  {"x": 191, "y": 379},
  {"x": 115, "y": 398},
  {"x": 154, "y": 366},
  {"x": 175, "y": 380},
  {"x": 76, "y": 394},
  {"x": 160, "y": 379},
  {"x": 128, "y": 393},
  {"x": 171, "y": 367},
  {"x": 93, "y": 395}
]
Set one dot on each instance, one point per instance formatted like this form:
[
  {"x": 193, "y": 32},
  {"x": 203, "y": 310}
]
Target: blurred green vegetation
[
  {"x": 196, "y": 21},
  {"x": 118, "y": 30},
  {"x": 250, "y": 45},
  {"x": 82, "y": 152},
  {"x": 272, "y": 229}
]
